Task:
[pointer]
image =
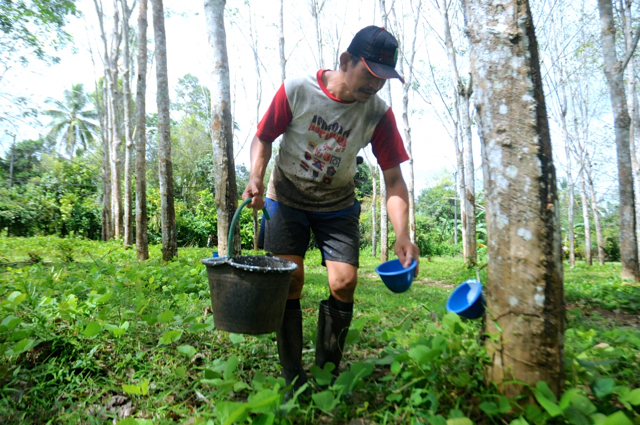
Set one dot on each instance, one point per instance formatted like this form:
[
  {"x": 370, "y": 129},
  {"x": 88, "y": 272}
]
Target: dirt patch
[{"x": 617, "y": 317}]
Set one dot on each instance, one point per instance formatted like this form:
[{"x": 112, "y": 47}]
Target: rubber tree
[
  {"x": 142, "y": 236},
  {"x": 165, "y": 167},
  {"x": 128, "y": 150},
  {"x": 221, "y": 125},
  {"x": 463, "y": 94},
  {"x": 524, "y": 287},
  {"x": 614, "y": 73}
]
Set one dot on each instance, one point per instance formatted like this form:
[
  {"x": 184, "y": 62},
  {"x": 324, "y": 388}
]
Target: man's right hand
[{"x": 255, "y": 190}]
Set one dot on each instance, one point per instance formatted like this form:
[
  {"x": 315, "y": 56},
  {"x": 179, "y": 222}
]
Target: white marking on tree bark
[{"x": 525, "y": 234}]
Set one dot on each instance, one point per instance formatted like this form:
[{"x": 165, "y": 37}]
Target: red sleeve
[
  {"x": 276, "y": 119},
  {"x": 386, "y": 143}
]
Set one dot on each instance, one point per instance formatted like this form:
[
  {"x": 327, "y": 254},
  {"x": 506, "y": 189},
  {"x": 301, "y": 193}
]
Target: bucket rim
[{"x": 287, "y": 266}]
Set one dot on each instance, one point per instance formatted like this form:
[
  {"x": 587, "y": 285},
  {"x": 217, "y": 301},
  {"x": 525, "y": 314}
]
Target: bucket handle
[{"x": 234, "y": 221}]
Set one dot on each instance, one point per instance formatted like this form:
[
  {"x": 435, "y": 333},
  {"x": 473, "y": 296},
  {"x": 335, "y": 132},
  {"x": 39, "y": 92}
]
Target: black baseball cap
[{"x": 378, "y": 49}]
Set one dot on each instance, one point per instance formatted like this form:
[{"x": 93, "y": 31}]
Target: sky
[{"x": 188, "y": 52}]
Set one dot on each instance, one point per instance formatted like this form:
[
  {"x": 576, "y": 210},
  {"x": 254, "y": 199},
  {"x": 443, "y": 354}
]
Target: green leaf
[
  {"x": 582, "y": 403},
  {"x": 505, "y": 406},
  {"x": 144, "y": 387},
  {"x": 489, "y": 407},
  {"x": 267, "y": 419},
  {"x": 396, "y": 367},
  {"x": 16, "y": 298},
  {"x": 322, "y": 376},
  {"x": 603, "y": 387},
  {"x": 459, "y": 421},
  {"x": 236, "y": 338},
  {"x": 519, "y": 421},
  {"x": 92, "y": 329},
  {"x": 325, "y": 401},
  {"x": 170, "y": 336},
  {"x": 576, "y": 417},
  {"x": 197, "y": 327},
  {"x": 423, "y": 355},
  {"x": 618, "y": 418},
  {"x": 11, "y": 322},
  {"x": 362, "y": 370},
  {"x": 166, "y": 316},
  {"x": 181, "y": 372},
  {"x": 598, "y": 418},
  {"x": 21, "y": 346},
  {"x": 104, "y": 298},
  {"x": 543, "y": 387},
  {"x": 131, "y": 389},
  {"x": 566, "y": 398},
  {"x": 187, "y": 350},
  {"x": 230, "y": 367},
  {"x": 548, "y": 405},
  {"x": 633, "y": 397}
]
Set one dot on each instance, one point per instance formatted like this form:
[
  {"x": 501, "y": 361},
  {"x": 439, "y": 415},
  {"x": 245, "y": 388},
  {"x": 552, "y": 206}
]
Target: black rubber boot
[
  {"x": 289, "y": 338},
  {"x": 333, "y": 326}
]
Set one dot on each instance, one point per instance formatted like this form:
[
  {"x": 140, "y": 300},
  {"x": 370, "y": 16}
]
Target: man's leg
[{"x": 334, "y": 317}]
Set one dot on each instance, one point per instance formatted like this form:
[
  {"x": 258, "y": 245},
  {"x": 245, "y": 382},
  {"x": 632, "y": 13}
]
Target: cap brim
[{"x": 382, "y": 71}]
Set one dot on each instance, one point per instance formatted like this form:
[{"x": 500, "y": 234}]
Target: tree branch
[{"x": 634, "y": 43}]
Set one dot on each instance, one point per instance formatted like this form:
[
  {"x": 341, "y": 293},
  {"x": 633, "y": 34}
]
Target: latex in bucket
[
  {"x": 248, "y": 293},
  {"x": 395, "y": 276},
  {"x": 467, "y": 300}
]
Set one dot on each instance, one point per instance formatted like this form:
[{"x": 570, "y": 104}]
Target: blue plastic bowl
[
  {"x": 467, "y": 300},
  {"x": 397, "y": 278}
]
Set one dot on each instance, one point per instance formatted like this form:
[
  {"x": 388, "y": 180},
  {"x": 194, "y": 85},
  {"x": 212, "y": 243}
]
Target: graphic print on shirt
[
  {"x": 328, "y": 131},
  {"x": 319, "y": 155}
]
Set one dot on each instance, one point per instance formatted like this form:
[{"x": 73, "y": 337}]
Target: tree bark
[
  {"x": 586, "y": 219},
  {"x": 142, "y": 236},
  {"x": 384, "y": 217},
  {"x": 374, "y": 207},
  {"x": 614, "y": 74},
  {"x": 107, "y": 223},
  {"x": 283, "y": 60},
  {"x": 463, "y": 94},
  {"x": 116, "y": 123},
  {"x": 221, "y": 126},
  {"x": 316, "y": 8},
  {"x": 256, "y": 61},
  {"x": 634, "y": 114},
  {"x": 594, "y": 209},
  {"x": 524, "y": 276},
  {"x": 406, "y": 87},
  {"x": 167, "y": 213},
  {"x": 128, "y": 153}
]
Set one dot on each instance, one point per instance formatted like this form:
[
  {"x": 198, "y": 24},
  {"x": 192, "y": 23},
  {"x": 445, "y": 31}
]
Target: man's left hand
[{"x": 407, "y": 251}]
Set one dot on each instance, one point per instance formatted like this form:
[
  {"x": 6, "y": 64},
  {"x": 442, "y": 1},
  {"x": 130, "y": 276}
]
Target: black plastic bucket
[{"x": 248, "y": 293}]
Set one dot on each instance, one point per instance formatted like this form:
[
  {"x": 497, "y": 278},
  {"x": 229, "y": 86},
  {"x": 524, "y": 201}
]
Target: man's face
[{"x": 362, "y": 83}]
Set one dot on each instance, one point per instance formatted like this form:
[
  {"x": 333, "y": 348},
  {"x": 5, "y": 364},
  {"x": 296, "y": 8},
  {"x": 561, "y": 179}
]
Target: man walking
[{"x": 325, "y": 119}]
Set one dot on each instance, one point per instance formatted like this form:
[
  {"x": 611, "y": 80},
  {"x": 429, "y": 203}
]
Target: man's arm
[
  {"x": 398, "y": 210},
  {"x": 260, "y": 156}
]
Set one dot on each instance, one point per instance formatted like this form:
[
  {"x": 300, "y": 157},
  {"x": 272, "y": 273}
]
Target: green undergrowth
[{"x": 90, "y": 335}]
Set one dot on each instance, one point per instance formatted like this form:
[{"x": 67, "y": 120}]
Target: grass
[{"x": 90, "y": 335}]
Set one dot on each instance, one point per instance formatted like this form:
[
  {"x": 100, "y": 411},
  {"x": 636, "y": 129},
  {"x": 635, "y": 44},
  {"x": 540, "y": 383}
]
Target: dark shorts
[{"x": 337, "y": 233}]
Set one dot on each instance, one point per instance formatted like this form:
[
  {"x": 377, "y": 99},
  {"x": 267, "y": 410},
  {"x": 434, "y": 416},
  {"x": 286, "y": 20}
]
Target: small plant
[
  {"x": 34, "y": 257},
  {"x": 65, "y": 251}
]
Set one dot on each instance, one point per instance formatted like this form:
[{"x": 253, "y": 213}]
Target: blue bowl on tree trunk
[
  {"x": 467, "y": 300},
  {"x": 395, "y": 276}
]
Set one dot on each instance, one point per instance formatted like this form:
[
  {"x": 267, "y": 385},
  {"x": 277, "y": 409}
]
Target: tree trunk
[
  {"x": 167, "y": 213},
  {"x": 283, "y": 60},
  {"x": 460, "y": 180},
  {"x": 316, "y": 8},
  {"x": 128, "y": 153},
  {"x": 586, "y": 219},
  {"x": 256, "y": 61},
  {"x": 463, "y": 93},
  {"x": 524, "y": 275},
  {"x": 221, "y": 126},
  {"x": 614, "y": 74},
  {"x": 142, "y": 237},
  {"x": 406, "y": 87},
  {"x": 384, "y": 218},
  {"x": 116, "y": 123},
  {"x": 571, "y": 210},
  {"x": 594, "y": 209},
  {"x": 374, "y": 207},
  {"x": 634, "y": 114},
  {"x": 107, "y": 223}
]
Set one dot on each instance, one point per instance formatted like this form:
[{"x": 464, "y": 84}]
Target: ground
[{"x": 90, "y": 335}]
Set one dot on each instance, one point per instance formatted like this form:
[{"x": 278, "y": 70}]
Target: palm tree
[{"x": 73, "y": 120}]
